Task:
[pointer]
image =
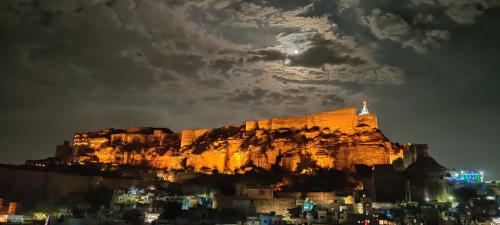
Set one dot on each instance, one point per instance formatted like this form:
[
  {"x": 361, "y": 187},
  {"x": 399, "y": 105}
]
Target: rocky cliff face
[{"x": 239, "y": 148}]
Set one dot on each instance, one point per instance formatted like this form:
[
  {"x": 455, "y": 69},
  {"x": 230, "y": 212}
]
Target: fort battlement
[
  {"x": 344, "y": 120},
  {"x": 189, "y": 135},
  {"x": 344, "y": 138},
  {"x": 100, "y": 138}
]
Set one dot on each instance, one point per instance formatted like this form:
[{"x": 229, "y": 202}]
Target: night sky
[{"x": 430, "y": 69}]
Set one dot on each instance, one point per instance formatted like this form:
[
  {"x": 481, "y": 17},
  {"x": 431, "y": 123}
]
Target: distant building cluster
[
  {"x": 412, "y": 190},
  {"x": 467, "y": 176},
  {"x": 8, "y": 212}
]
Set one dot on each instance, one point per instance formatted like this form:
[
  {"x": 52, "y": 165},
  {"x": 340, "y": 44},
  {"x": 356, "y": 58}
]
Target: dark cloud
[
  {"x": 267, "y": 55},
  {"x": 286, "y": 5},
  {"x": 319, "y": 55},
  {"x": 245, "y": 97},
  {"x": 332, "y": 101},
  {"x": 431, "y": 40},
  {"x": 386, "y": 25},
  {"x": 287, "y": 98}
]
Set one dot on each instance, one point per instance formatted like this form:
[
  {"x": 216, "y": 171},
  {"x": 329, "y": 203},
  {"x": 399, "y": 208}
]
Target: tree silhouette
[
  {"x": 99, "y": 196},
  {"x": 465, "y": 194},
  {"x": 172, "y": 211}
]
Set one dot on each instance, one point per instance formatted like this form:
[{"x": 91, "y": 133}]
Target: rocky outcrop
[{"x": 335, "y": 140}]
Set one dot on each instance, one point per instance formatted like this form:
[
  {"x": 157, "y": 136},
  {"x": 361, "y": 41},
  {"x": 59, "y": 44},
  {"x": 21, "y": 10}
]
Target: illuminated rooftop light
[
  {"x": 467, "y": 176},
  {"x": 490, "y": 197},
  {"x": 295, "y": 51},
  {"x": 308, "y": 205}
]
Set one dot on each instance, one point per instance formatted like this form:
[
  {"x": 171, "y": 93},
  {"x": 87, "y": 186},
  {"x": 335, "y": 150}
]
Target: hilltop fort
[{"x": 334, "y": 139}]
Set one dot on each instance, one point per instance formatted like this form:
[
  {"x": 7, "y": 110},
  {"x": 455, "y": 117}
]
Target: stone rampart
[
  {"x": 372, "y": 156},
  {"x": 264, "y": 124},
  {"x": 344, "y": 120},
  {"x": 277, "y": 205},
  {"x": 80, "y": 139},
  {"x": 264, "y": 143},
  {"x": 97, "y": 142},
  {"x": 290, "y": 122},
  {"x": 369, "y": 120},
  {"x": 199, "y": 133},
  {"x": 210, "y": 160},
  {"x": 237, "y": 160},
  {"x": 106, "y": 155},
  {"x": 135, "y": 138},
  {"x": 187, "y": 137},
  {"x": 250, "y": 125},
  {"x": 117, "y": 137},
  {"x": 143, "y": 130},
  {"x": 158, "y": 132},
  {"x": 323, "y": 161},
  {"x": 323, "y": 197},
  {"x": 168, "y": 162},
  {"x": 290, "y": 162}
]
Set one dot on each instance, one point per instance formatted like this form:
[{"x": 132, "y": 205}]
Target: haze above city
[{"x": 428, "y": 69}]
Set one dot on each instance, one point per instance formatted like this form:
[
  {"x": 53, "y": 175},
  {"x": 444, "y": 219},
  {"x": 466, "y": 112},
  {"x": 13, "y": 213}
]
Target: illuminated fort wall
[
  {"x": 101, "y": 138},
  {"x": 228, "y": 155},
  {"x": 189, "y": 135},
  {"x": 368, "y": 119},
  {"x": 344, "y": 120}
]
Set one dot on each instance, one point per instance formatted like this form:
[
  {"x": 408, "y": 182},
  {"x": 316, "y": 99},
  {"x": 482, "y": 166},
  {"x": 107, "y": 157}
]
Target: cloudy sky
[{"x": 428, "y": 68}]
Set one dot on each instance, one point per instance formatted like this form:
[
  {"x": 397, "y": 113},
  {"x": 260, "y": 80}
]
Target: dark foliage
[
  {"x": 98, "y": 197},
  {"x": 306, "y": 162},
  {"x": 172, "y": 211},
  {"x": 323, "y": 180},
  {"x": 133, "y": 216},
  {"x": 465, "y": 194}
]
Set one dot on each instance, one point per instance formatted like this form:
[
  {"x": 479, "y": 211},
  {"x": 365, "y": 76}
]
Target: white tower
[{"x": 364, "y": 111}]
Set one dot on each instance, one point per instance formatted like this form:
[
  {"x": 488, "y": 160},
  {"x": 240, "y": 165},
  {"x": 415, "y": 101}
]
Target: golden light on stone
[{"x": 333, "y": 139}]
